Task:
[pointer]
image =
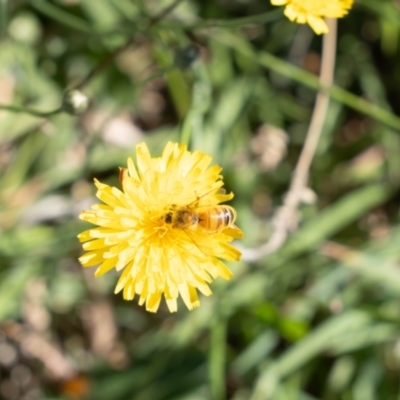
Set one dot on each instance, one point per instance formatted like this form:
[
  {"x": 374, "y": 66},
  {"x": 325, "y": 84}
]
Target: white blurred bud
[{"x": 75, "y": 102}]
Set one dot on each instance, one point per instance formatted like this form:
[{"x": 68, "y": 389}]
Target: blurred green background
[{"x": 319, "y": 319}]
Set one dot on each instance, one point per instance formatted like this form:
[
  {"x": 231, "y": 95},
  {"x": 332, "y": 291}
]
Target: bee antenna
[{"x": 204, "y": 194}]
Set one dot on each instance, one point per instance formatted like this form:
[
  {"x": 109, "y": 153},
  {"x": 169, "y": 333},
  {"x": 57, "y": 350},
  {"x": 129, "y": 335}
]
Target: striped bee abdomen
[{"x": 215, "y": 219}]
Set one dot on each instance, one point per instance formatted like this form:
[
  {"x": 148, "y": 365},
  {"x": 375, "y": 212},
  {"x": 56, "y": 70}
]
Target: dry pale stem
[{"x": 285, "y": 216}]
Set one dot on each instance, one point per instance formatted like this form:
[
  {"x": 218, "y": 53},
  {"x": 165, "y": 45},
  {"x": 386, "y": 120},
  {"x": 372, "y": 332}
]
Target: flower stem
[
  {"x": 18, "y": 109},
  {"x": 263, "y": 18},
  {"x": 286, "y": 214},
  {"x": 217, "y": 359}
]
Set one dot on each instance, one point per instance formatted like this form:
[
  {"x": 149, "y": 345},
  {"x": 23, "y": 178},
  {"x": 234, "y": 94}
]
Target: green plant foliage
[{"x": 316, "y": 320}]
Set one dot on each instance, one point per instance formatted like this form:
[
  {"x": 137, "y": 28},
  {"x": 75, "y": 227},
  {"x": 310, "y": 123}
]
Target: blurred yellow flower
[
  {"x": 313, "y": 12},
  {"x": 159, "y": 229}
]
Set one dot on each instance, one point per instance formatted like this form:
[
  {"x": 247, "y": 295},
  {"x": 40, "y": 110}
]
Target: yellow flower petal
[
  {"x": 313, "y": 12},
  {"x": 106, "y": 266},
  {"x": 318, "y": 24},
  {"x": 153, "y": 230}
]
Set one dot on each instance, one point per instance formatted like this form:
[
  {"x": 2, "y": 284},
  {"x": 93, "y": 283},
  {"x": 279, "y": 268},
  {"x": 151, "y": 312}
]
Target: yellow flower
[
  {"x": 313, "y": 12},
  {"x": 152, "y": 229}
]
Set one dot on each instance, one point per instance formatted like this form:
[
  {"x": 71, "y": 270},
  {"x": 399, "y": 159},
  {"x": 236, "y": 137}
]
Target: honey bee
[{"x": 212, "y": 219}]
